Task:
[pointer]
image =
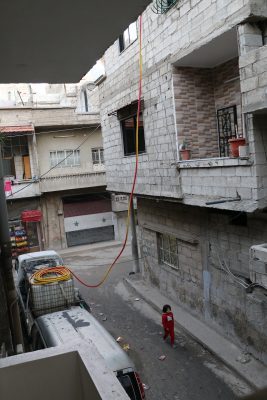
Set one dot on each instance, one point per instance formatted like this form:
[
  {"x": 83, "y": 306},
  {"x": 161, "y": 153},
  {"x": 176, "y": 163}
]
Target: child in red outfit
[{"x": 168, "y": 323}]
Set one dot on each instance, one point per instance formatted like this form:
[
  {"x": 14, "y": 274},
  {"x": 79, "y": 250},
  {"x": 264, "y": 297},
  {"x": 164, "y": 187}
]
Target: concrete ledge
[
  {"x": 214, "y": 162},
  {"x": 254, "y": 372}
]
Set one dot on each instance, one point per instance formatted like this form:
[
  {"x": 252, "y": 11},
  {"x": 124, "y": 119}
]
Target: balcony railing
[
  {"x": 23, "y": 189},
  {"x": 73, "y": 181}
]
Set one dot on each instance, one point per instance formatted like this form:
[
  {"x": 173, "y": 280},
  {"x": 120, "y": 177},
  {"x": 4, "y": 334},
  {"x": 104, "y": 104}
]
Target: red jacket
[{"x": 168, "y": 321}]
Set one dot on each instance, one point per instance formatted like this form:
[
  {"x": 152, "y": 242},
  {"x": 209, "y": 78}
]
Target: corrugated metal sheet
[
  {"x": 87, "y": 207},
  {"x": 16, "y": 129}
]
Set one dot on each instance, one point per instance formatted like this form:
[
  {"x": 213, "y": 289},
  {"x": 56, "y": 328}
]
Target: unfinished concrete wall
[{"x": 209, "y": 242}]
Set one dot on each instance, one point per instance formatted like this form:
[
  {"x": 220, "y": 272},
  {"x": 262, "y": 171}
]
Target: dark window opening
[
  {"x": 129, "y": 135},
  {"x": 227, "y": 127},
  {"x": 128, "y": 36},
  {"x": 238, "y": 218},
  {"x": 85, "y": 101}
]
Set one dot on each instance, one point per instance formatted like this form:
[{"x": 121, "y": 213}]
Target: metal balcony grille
[
  {"x": 162, "y": 6},
  {"x": 227, "y": 128}
]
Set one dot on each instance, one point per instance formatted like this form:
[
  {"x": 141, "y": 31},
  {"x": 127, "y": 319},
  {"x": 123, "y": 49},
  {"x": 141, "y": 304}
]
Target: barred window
[
  {"x": 168, "y": 250},
  {"x": 65, "y": 158},
  {"x": 98, "y": 156}
]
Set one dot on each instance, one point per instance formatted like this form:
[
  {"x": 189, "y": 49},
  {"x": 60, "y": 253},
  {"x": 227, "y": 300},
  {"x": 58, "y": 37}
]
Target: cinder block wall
[
  {"x": 202, "y": 284},
  {"x": 166, "y": 39}
]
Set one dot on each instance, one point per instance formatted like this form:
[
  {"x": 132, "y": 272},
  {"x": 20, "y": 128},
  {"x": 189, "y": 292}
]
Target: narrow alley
[{"x": 188, "y": 371}]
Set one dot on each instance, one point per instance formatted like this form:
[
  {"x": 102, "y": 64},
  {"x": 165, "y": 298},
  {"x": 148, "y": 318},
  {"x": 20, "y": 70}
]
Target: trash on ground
[
  {"x": 137, "y": 299},
  {"x": 119, "y": 339},
  {"x": 126, "y": 347},
  {"x": 146, "y": 387},
  {"x": 104, "y": 318},
  {"x": 101, "y": 313},
  {"x": 161, "y": 358},
  {"x": 244, "y": 358}
]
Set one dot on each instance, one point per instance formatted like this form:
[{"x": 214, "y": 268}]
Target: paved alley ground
[{"x": 188, "y": 372}]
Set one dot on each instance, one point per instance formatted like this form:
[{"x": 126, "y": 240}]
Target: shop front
[{"x": 25, "y": 232}]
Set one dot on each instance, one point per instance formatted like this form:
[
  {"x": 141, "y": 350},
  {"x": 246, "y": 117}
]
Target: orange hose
[{"x": 130, "y": 205}]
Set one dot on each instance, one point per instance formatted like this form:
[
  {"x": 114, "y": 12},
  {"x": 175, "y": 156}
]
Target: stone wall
[{"x": 209, "y": 242}]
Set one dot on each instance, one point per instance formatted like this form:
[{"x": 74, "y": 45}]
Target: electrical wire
[
  {"x": 55, "y": 166},
  {"x": 130, "y": 204},
  {"x": 226, "y": 269}
]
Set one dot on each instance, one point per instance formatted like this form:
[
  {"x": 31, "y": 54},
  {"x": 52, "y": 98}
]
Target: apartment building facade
[
  {"x": 204, "y": 91},
  {"x": 54, "y": 167}
]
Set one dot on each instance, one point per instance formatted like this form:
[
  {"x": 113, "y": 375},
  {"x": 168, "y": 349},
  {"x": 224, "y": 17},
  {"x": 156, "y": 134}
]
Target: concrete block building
[
  {"x": 54, "y": 167},
  {"x": 204, "y": 91}
]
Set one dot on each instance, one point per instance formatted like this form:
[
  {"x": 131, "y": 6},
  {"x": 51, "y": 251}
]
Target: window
[
  {"x": 168, "y": 250},
  {"x": 85, "y": 99},
  {"x": 128, "y": 126},
  {"x": 65, "y": 158},
  {"x": 128, "y": 36},
  {"x": 98, "y": 156},
  {"x": 227, "y": 127}
]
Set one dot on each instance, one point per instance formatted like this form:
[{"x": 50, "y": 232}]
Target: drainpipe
[
  {"x": 134, "y": 241},
  {"x": 175, "y": 123}
]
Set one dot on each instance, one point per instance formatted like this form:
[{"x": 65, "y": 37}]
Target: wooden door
[{"x": 27, "y": 167}]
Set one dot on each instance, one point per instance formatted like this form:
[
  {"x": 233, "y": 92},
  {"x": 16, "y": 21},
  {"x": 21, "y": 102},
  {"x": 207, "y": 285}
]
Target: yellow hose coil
[{"x": 50, "y": 275}]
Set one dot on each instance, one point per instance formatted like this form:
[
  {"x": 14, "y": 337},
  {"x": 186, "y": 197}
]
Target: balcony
[
  {"x": 72, "y": 372},
  {"x": 23, "y": 189},
  {"x": 208, "y": 115},
  {"x": 73, "y": 181}
]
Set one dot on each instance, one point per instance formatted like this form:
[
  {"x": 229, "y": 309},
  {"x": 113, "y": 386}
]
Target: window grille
[
  {"x": 227, "y": 128},
  {"x": 98, "y": 156},
  {"x": 162, "y": 6},
  {"x": 168, "y": 250}
]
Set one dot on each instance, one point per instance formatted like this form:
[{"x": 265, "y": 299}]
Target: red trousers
[{"x": 168, "y": 332}]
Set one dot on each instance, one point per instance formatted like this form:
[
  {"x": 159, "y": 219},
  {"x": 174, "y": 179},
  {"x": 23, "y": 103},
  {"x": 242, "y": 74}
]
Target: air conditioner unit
[{"x": 258, "y": 264}]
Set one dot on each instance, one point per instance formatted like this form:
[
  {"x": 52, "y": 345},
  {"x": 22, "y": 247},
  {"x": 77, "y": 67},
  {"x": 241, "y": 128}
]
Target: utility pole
[
  {"x": 134, "y": 240},
  {"x": 11, "y": 332}
]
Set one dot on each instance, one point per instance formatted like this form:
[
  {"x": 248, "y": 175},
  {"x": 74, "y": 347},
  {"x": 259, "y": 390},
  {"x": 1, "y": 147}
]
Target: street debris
[
  {"x": 137, "y": 299},
  {"x": 101, "y": 314},
  {"x": 104, "y": 318},
  {"x": 119, "y": 339},
  {"x": 244, "y": 358},
  {"x": 146, "y": 387},
  {"x": 161, "y": 358},
  {"x": 126, "y": 347}
]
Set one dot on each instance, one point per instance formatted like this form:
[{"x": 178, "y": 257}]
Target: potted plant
[
  {"x": 184, "y": 151},
  {"x": 235, "y": 143}
]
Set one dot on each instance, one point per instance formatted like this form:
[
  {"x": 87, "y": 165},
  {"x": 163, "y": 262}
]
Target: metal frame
[{"x": 227, "y": 128}]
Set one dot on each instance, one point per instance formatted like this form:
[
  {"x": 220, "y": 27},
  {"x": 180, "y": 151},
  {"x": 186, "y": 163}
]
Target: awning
[
  {"x": 17, "y": 130},
  {"x": 31, "y": 216}
]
